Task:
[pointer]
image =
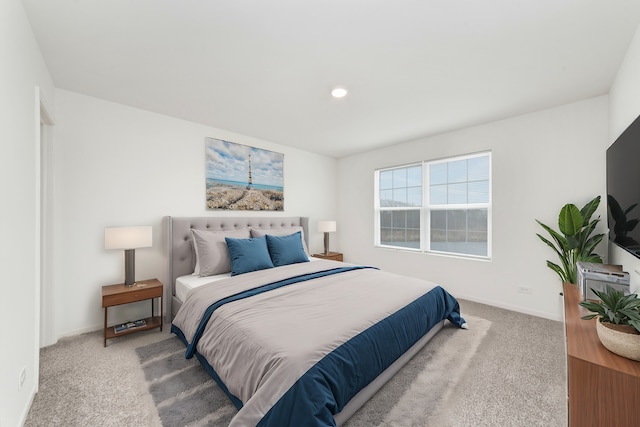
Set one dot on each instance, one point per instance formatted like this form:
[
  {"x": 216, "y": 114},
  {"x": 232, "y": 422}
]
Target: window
[
  {"x": 400, "y": 202},
  {"x": 437, "y": 206}
]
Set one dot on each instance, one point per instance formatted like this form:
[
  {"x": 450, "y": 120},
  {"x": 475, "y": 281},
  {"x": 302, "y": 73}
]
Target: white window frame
[{"x": 426, "y": 208}]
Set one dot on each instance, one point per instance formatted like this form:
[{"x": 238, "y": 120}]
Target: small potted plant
[{"x": 618, "y": 323}]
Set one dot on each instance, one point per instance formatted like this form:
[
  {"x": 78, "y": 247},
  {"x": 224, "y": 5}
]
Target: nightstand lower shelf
[{"x": 151, "y": 322}]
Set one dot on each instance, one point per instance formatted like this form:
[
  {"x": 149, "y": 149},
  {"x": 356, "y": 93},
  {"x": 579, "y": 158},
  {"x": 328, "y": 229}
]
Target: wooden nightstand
[
  {"x": 113, "y": 295},
  {"x": 333, "y": 256}
]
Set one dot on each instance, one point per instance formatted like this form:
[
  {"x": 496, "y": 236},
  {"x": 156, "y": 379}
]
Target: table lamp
[
  {"x": 326, "y": 227},
  {"x": 129, "y": 239}
]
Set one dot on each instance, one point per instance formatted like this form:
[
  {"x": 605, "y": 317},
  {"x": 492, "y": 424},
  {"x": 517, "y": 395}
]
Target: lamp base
[
  {"x": 129, "y": 267},
  {"x": 326, "y": 243}
]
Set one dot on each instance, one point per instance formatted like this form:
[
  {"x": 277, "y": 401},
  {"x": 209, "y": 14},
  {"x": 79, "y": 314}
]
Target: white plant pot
[{"x": 620, "y": 343}]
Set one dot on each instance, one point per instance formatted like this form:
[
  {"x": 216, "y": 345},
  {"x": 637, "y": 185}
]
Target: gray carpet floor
[
  {"x": 421, "y": 393},
  {"x": 517, "y": 377}
]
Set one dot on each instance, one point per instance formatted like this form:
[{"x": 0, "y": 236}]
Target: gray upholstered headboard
[{"x": 180, "y": 256}]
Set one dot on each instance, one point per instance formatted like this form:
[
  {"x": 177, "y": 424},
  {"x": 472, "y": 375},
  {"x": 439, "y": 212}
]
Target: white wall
[
  {"x": 624, "y": 107},
  {"x": 540, "y": 162},
  {"x": 22, "y": 69},
  {"x": 116, "y": 166}
]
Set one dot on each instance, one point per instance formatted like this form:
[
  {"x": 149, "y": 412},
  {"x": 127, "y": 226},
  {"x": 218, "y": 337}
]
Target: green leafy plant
[
  {"x": 614, "y": 307},
  {"x": 574, "y": 241}
]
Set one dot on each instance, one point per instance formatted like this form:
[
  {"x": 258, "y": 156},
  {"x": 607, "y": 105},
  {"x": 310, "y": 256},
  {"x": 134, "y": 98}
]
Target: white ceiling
[{"x": 265, "y": 68}]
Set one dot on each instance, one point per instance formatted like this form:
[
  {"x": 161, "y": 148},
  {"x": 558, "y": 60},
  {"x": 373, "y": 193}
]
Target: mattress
[{"x": 184, "y": 284}]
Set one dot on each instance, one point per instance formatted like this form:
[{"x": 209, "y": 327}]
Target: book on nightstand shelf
[{"x": 129, "y": 325}]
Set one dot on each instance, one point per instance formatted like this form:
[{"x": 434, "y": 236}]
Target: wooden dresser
[{"x": 603, "y": 388}]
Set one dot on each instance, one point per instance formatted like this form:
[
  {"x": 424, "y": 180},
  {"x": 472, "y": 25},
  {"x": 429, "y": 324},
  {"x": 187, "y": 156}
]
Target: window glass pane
[
  {"x": 456, "y": 226},
  {"x": 404, "y": 230},
  {"x": 438, "y": 194},
  {"x": 412, "y": 230},
  {"x": 479, "y": 192},
  {"x": 386, "y": 198},
  {"x": 413, "y": 239},
  {"x": 477, "y": 225},
  {"x": 399, "y": 219},
  {"x": 400, "y": 197},
  {"x": 477, "y": 232},
  {"x": 386, "y": 236},
  {"x": 385, "y": 219},
  {"x": 438, "y": 174},
  {"x": 478, "y": 168},
  {"x": 438, "y": 230},
  {"x": 414, "y": 176},
  {"x": 460, "y": 231},
  {"x": 399, "y": 178},
  {"x": 414, "y": 196},
  {"x": 401, "y": 187},
  {"x": 386, "y": 180},
  {"x": 399, "y": 236},
  {"x": 457, "y": 171},
  {"x": 457, "y": 193},
  {"x": 438, "y": 220},
  {"x": 413, "y": 219}
]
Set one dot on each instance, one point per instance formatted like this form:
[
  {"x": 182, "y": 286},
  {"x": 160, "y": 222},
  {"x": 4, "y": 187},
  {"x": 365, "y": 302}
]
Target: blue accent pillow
[
  {"x": 285, "y": 250},
  {"x": 248, "y": 254}
]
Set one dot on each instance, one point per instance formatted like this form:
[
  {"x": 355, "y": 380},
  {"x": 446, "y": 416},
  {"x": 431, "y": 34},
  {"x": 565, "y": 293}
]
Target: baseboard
[
  {"x": 167, "y": 321},
  {"x": 79, "y": 331},
  {"x": 524, "y": 310}
]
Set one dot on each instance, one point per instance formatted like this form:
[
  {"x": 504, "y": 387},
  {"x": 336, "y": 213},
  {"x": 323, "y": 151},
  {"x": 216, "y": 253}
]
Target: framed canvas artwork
[{"x": 240, "y": 177}]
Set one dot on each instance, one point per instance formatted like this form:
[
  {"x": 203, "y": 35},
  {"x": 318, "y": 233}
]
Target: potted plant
[
  {"x": 574, "y": 242},
  {"x": 618, "y": 323}
]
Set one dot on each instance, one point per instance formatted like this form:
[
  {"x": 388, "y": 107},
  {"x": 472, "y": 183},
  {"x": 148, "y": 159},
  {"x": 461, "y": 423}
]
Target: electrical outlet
[
  {"x": 22, "y": 377},
  {"x": 524, "y": 290}
]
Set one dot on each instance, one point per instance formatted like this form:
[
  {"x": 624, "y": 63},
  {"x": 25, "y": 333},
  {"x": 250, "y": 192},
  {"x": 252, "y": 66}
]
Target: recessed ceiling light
[{"x": 339, "y": 92}]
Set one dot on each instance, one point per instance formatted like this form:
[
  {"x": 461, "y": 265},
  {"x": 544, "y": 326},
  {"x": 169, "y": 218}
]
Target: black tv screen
[{"x": 623, "y": 189}]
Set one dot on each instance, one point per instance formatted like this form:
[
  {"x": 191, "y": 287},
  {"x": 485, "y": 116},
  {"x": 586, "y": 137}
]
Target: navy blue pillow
[
  {"x": 285, "y": 250},
  {"x": 248, "y": 254}
]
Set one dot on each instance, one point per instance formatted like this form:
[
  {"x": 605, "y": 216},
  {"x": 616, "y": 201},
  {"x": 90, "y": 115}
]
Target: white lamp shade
[
  {"x": 128, "y": 237},
  {"x": 326, "y": 226}
]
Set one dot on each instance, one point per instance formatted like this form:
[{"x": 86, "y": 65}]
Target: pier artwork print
[{"x": 240, "y": 177}]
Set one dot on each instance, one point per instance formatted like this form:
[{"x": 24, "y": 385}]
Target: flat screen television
[{"x": 623, "y": 189}]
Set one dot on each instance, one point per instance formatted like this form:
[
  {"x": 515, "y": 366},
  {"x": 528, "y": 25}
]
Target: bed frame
[{"x": 180, "y": 260}]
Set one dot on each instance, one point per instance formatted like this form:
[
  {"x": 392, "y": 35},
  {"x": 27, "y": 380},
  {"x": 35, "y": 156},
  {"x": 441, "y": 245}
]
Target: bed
[{"x": 295, "y": 343}]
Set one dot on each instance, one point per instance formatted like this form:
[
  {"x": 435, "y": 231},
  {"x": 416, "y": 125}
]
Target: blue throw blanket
[{"x": 324, "y": 390}]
